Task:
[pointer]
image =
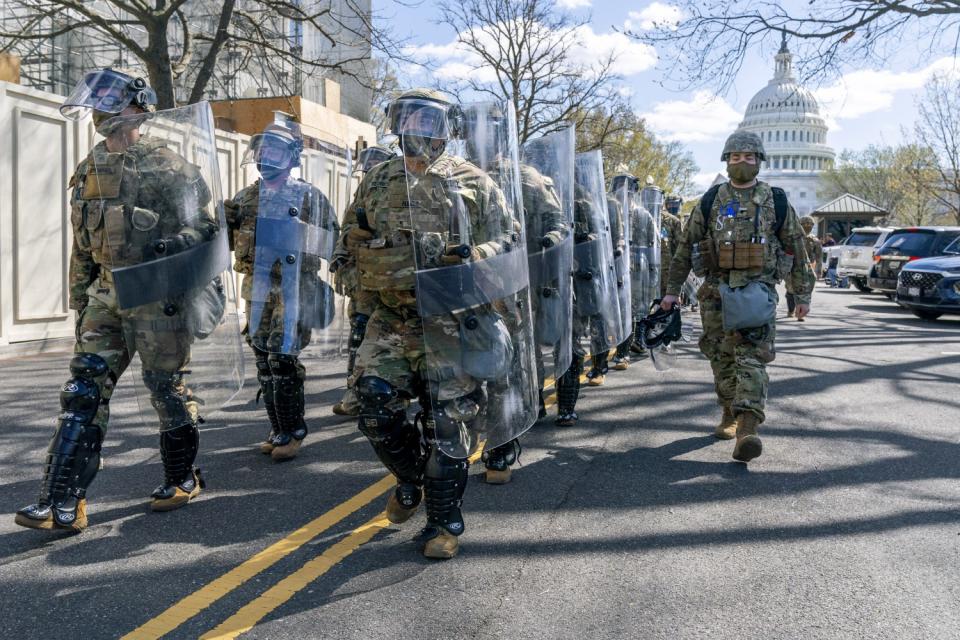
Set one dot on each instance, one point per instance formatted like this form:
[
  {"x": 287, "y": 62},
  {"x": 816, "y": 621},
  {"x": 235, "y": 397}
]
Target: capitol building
[{"x": 787, "y": 118}]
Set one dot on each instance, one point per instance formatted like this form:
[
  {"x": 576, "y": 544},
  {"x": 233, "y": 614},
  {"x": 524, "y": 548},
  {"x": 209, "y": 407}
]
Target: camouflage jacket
[
  {"x": 615, "y": 216},
  {"x": 814, "y": 252},
  {"x": 542, "y": 211},
  {"x": 242, "y": 212},
  {"x": 670, "y": 230},
  {"x": 122, "y": 203},
  {"x": 452, "y": 203},
  {"x": 784, "y": 256}
]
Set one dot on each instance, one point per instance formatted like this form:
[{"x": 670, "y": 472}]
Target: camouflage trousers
[
  {"x": 161, "y": 341},
  {"x": 268, "y": 337},
  {"x": 739, "y": 362},
  {"x": 394, "y": 349}
]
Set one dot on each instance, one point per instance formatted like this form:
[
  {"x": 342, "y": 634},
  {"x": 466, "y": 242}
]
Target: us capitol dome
[{"x": 787, "y": 117}]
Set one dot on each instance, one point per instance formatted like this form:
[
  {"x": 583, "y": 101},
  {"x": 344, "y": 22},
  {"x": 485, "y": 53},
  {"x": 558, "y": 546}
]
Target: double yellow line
[{"x": 253, "y": 612}]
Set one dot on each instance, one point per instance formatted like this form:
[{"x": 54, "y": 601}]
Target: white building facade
[{"x": 787, "y": 118}]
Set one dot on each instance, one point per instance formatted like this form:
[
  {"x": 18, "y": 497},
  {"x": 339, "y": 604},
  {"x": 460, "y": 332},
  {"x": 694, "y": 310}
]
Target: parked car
[
  {"x": 856, "y": 256},
  {"x": 903, "y": 246},
  {"x": 931, "y": 287}
]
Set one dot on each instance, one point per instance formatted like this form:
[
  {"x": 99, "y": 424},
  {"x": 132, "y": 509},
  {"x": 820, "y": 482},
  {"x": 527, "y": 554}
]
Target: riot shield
[
  {"x": 621, "y": 205},
  {"x": 645, "y": 228},
  {"x": 548, "y": 163},
  {"x": 292, "y": 297},
  {"x": 596, "y": 299},
  {"x": 154, "y": 212},
  {"x": 472, "y": 284}
]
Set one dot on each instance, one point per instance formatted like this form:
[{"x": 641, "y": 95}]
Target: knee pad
[
  {"x": 288, "y": 394},
  {"x": 80, "y": 395},
  {"x": 379, "y": 417},
  {"x": 167, "y": 398}
]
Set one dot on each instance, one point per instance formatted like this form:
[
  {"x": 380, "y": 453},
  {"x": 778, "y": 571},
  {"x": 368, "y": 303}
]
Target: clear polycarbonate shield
[
  {"x": 596, "y": 297},
  {"x": 547, "y": 164},
  {"x": 292, "y": 297},
  {"x": 153, "y": 206},
  {"x": 645, "y": 249},
  {"x": 107, "y": 91},
  {"x": 472, "y": 287},
  {"x": 621, "y": 204}
]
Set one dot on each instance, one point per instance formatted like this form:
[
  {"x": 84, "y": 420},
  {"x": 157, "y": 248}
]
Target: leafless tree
[
  {"x": 707, "y": 42},
  {"x": 182, "y": 42},
  {"x": 938, "y": 129},
  {"x": 530, "y": 46}
]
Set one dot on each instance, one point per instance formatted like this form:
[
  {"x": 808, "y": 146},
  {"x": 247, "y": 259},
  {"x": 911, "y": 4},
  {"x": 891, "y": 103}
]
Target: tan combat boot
[
  {"x": 41, "y": 517},
  {"x": 168, "y": 498},
  {"x": 403, "y": 503},
  {"x": 727, "y": 429},
  {"x": 748, "y": 444},
  {"x": 443, "y": 547},
  {"x": 288, "y": 451},
  {"x": 266, "y": 447}
]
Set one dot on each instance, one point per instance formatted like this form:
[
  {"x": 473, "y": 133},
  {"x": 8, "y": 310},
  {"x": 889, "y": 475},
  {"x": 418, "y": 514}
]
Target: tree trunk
[{"x": 159, "y": 66}]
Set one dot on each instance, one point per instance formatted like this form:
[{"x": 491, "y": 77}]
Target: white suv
[{"x": 856, "y": 256}]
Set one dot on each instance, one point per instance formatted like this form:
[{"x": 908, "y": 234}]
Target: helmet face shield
[
  {"x": 107, "y": 91},
  {"x": 371, "y": 157},
  {"x": 419, "y": 118},
  {"x": 273, "y": 150}
]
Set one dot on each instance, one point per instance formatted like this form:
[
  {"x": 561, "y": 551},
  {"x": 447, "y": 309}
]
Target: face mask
[
  {"x": 269, "y": 173},
  {"x": 420, "y": 147},
  {"x": 673, "y": 208},
  {"x": 742, "y": 172}
]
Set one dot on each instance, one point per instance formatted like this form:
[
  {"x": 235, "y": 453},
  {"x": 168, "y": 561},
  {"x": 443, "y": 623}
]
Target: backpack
[{"x": 780, "y": 206}]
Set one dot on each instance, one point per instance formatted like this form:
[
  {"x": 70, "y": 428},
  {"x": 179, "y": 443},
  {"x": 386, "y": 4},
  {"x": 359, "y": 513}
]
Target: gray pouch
[
  {"x": 487, "y": 350},
  {"x": 748, "y": 307}
]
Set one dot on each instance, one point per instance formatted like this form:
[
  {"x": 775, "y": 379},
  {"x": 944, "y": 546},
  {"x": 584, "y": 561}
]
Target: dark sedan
[{"x": 931, "y": 287}]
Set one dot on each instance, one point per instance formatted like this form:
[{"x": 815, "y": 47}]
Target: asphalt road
[{"x": 634, "y": 524}]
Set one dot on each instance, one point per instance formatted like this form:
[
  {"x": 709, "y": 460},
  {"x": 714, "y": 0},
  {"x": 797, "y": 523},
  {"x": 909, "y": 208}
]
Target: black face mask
[
  {"x": 420, "y": 147},
  {"x": 269, "y": 173}
]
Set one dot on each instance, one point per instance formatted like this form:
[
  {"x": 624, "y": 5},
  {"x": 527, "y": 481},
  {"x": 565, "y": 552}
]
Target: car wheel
[
  {"x": 861, "y": 285},
  {"x": 926, "y": 314}
]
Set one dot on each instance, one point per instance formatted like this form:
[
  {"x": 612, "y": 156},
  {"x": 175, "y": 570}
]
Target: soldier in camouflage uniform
[
  {"x": 361, "y": 304},
  {"x": 127, "y": 202},
  {"x": 545, "y": 228},
  {"x": 814, "y": 253},
  {"x": 390, "y": 368},
  {"x": 281, "y": 375},
  {"x": 600, "y": 361},
  {"x": 670, "y": 230},
  {"x": 741, "y": 239}
]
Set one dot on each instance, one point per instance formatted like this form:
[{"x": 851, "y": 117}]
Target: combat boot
[
  {"x": 620, "y": 363},
  {"x": 748, "y": 444},
  {"x": 499, "y": 461},
  {"x": 265, "y": 378},
  {"x": 727, "y": 429},
  {"x": 403, "y": 502},
  {"x": 595, "y": 378},
  {"x": 343, "y": 409},
  {"x": 182, "y": 482},
  {"x": 443, "y": 545}
]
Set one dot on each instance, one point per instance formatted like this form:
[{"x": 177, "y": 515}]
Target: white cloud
[
  {"x": 455, "y": 60},
  {"x": 655, "y": 15},
  {"x": 703, "y": 118},
  {"x": 859, "y": 93},
  {"x": 573, "y": 4}
]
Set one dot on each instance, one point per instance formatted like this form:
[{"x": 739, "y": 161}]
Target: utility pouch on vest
[
  {"x": 207, "y": 309},
  {"x": 747, "y": 307},
  {"x": 387, "y": 268},
  {"x": 747, "y": 255},
  {"x": 115, "y": 228},
  {"x": 725, "y": 260}
]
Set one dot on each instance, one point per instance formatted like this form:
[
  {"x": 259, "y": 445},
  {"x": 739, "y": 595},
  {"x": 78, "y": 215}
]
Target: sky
[{"x": 864, "y": 106}]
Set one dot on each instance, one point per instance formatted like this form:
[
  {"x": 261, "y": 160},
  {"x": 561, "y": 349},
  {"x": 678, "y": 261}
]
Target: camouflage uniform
[
  {"x": 739, "y": 358},
  {"x": 670, "y": 231},
  {"x": 814, "y": 250},
  {"x": 281, "y": 376},
  {"x": 601, "y": 355},
  {"x": 108, "y": 233}
]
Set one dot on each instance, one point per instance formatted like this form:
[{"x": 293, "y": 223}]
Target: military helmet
[
  {"x": 279, "y": 146},
  {"x": 807, "y": 221},
  {"x": 423, "y": 112},
  {"x": 110, "y": 91},
  {"x": 743, "y": 142},
  {"x": 631, "y": 181},
  {"x": 661, "y": 327},
  {"x": 372, "y": 156}
]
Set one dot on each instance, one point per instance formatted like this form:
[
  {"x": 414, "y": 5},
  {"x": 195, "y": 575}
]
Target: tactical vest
[{"x": 394, "y": 209}]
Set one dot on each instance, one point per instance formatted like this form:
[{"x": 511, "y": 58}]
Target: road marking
[
  {"x": 213, "y": 591},
  {"x": 249, "y": 615},
  {"x": 201, "y": 599},
  {"x": 950, "y": 353}
]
